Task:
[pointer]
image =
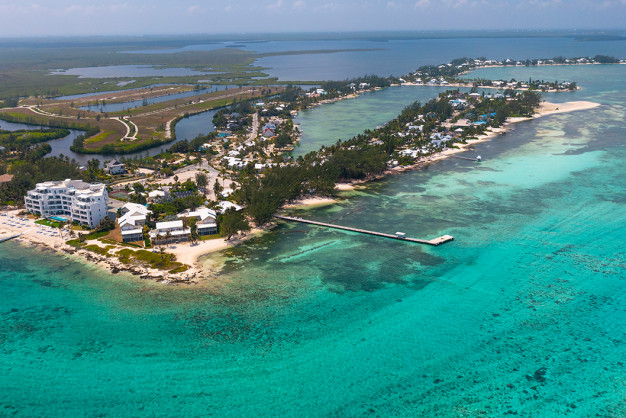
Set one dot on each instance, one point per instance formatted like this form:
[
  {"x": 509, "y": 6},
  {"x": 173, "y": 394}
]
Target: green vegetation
[
  {"x": 25, "y": 67},
  {"x": 48, "y": 222},
  {"x": 113, "y": 242},
  {"x": 15, "y": 140},
  {"x": 27, "y": 173},
  {"x": 161, "y": 261},
  {"x": 232, "y": 222},
  {"x": 98, "y": 249},
  {"x": 39, "y": 120}
]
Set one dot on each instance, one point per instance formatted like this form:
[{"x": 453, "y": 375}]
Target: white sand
[
  {"x": 548, "y": 108},
  {"x": 311, "y": 201},
  {"x": 11, "y": 224},
  {"x": 189, "y": 253}
]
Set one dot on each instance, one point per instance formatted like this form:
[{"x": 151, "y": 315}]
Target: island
[{"x": 154, "y": 216}]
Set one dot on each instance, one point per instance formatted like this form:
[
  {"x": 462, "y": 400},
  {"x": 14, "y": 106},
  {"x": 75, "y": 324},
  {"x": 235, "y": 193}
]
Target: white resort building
[
  {"x": 72, "y": 200},
  {"x": 132, "y": 221},
  {"x": 206, "y": 220},
  {"x": 172, "y": 231}
]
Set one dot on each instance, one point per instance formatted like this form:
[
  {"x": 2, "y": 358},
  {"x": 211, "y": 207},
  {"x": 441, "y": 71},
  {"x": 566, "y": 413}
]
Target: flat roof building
[{"x": 76, "y": 200}]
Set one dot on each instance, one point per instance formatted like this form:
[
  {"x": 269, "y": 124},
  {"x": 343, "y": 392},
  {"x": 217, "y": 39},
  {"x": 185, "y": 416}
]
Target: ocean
[{"x": 523, "y": 313}]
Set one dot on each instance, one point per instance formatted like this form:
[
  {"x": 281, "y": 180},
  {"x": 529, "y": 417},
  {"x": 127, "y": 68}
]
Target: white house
[
  {"x": 235, "y": 163},
  {"x": 73, "y": 200},
  {"x": 132, "y": 221},
  {"x": 439, "y": 140},
  {"x": 174, "y": 229},
  {"x": 158, "y": 194},
  {"x": 115, "y": 167},
  {"x": 206, "y": 220},
  {"x": 225, "y": 205}
]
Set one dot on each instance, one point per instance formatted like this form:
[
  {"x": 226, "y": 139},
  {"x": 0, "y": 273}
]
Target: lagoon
[
  {"x": 187, "y": 128},
  {"x": 116, "y": 107},
  {"x": 324, "y": 125},
  {"x": 123, "y": 71}
]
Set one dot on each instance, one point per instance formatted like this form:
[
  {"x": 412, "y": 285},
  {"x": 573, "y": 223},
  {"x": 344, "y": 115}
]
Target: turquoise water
[
  {"x": 344, "y": 119},
  {"x": 522, "y": 313}
]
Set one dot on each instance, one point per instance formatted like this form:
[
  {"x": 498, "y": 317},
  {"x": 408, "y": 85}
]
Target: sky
[{"x": 147, "y": 17}]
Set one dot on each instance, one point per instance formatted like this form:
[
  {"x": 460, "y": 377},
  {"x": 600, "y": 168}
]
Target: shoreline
[
  {"x": 545, "y": 109},
  {"x": 54, "y": 239}
]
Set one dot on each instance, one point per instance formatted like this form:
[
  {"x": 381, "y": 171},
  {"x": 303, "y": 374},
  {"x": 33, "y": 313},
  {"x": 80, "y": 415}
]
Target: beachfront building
[
  {"x": 132, "y": 221},
  {"x": 171, "y": 231},
  {"x": 73, "y": 200},
  {"x": 206, "y": 220}
]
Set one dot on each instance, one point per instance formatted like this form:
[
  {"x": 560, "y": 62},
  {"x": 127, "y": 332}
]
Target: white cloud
[
  {"x": 275, "y": 6},
  {"x": 421, "y": 3},
  {"x": 301, "y": 5}
]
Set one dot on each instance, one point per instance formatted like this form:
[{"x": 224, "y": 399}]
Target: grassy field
[
  {"x": 48, "y": 222},
  {"x": 151, "y": 260},
  {"x": 109, "y": 134}
]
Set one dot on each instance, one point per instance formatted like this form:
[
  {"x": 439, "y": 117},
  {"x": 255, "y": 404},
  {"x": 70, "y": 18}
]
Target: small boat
[{"x": 479, "y": 159}]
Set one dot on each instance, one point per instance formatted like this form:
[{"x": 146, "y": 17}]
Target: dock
[
  {"x": 478, "y": 159},
  {"x": 434, "y": 242}
]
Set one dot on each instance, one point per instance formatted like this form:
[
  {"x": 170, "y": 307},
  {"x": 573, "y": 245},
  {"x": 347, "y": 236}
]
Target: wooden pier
[
  {"x": 434, "y": 242},
  {"x": 465, "y": 158}
]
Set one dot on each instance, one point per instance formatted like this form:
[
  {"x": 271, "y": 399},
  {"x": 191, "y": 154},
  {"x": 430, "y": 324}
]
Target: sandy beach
[
  {"x": 36, "y": 235},
  {"x": 311, "y": 201},
  {"x": 11, "y": 223},
  {"x": 545, "y": 109}
]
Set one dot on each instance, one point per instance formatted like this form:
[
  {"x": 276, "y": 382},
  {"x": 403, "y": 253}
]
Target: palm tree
[{"x": 193, "y": 227}]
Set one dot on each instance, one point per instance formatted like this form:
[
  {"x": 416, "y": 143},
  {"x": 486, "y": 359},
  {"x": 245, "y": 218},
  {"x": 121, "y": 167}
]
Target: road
[{"x": 255, "y": 127}]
